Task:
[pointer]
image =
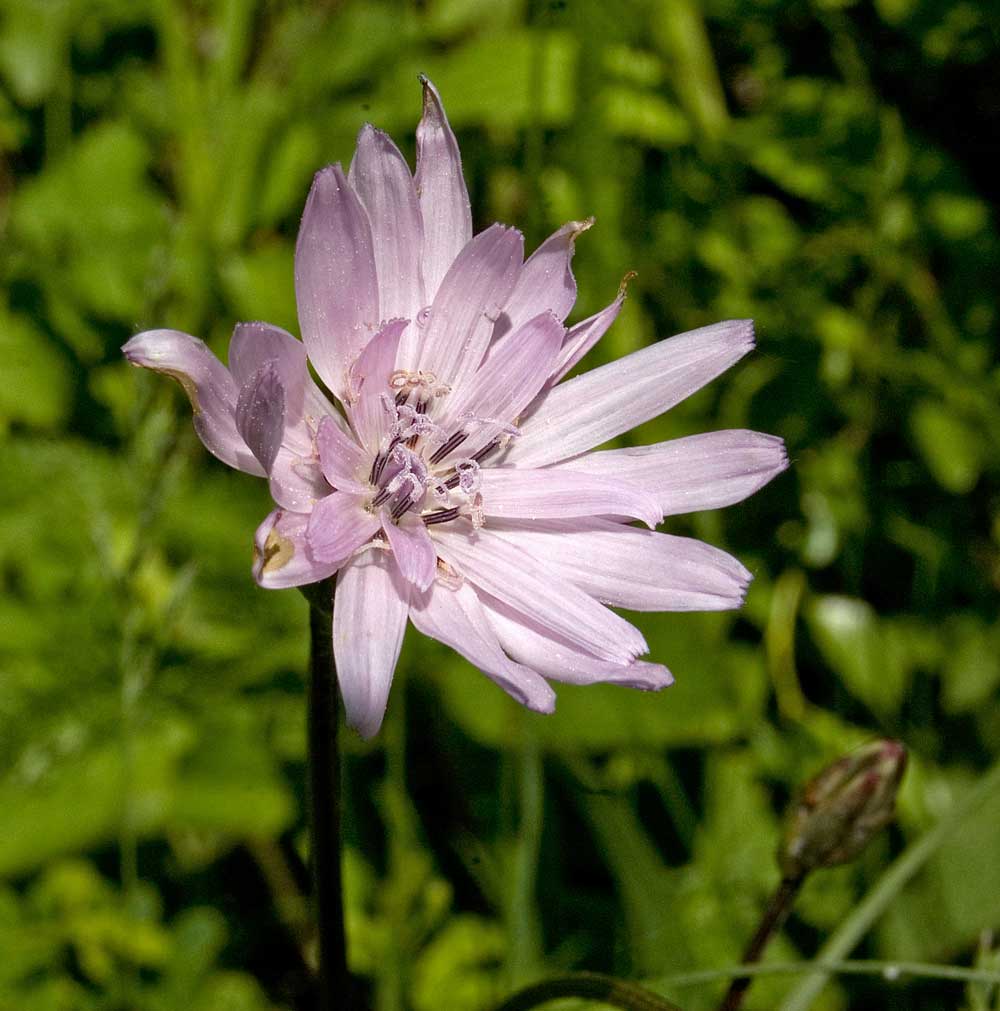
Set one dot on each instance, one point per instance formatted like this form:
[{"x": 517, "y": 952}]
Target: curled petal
[
  {"x": 468, "y": 303},
  {"x": 335, "y": 280},
  {"x": 254, "y": 344},
  {"x": 546, "y": 282},
  {"x": 507, "y": 572},
  {"x": 282, "y": 557},
  {"x": 628, "y": 567},
  {"x": 550, "y": 654},
  {"x": 456, "y": 618},
  {"x": 519, "y": 493},
  {"x": 381, "y": 178},
  {"x": 338, "y": 526},
  {"x": 413, "y": 549},
  {"x": 590, "y": 409},
  {"x": 260, "y": 413},
  {"x": 208, "y": 384},
  {"x": 694, "y": 473},
  {"x": 369, "y": 619},
  {"x": 296, "y": 482},
  {"x": 444, "y": 200}
]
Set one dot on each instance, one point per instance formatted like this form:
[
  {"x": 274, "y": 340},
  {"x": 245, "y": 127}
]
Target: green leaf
[{"x": 951, "y": 448}]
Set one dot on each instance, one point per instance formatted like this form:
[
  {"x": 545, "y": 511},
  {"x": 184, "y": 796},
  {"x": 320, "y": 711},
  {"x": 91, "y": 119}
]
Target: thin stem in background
[
  {"x": 850, "y": 932},
  {"x": 336, "y": 989},
  {"x": 592, "y": 986}
]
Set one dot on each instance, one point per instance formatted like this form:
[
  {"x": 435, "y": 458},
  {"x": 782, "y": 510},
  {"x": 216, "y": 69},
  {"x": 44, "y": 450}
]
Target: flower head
[{"x": 455, "y": 486}]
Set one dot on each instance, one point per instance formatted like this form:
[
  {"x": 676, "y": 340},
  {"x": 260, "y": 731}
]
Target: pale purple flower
[{"x": 456, "y": 486}]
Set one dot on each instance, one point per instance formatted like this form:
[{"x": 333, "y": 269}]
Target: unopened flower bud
[{"x": 842, "y": 808}]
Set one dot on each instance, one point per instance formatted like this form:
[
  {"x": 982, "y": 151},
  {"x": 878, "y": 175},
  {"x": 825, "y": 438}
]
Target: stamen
[
  {"x": 441, "y": 516},
  {"x": 401, "y": 507},
  {"x": 453, "y": 443},
  {"x": 469, "y": 478},
  {"x": 383, "y": 496},
  {"x": 486, "y": 450}
]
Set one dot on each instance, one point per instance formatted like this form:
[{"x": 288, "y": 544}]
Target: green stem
[
  {"x": 853, "y": 967},
  {"x": 592, "y": 986},
  {"x": 336, "y": 987},
  {"x": 850, "y": 932}
]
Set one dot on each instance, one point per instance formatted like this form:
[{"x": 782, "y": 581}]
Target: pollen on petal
[{"x": 277, "y": 553}]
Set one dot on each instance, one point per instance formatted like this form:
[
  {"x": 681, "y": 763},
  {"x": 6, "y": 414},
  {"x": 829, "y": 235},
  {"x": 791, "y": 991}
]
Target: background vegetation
[{"x": 824, "y": 166}]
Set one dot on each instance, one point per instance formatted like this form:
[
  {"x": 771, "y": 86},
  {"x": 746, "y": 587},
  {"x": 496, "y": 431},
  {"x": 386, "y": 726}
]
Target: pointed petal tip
[{"x": 541, "y": 702}]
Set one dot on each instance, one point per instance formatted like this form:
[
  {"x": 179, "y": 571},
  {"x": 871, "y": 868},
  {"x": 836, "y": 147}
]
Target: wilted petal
[
  {"x": 208, "y": 384},
  {"x": 341, "y": 459},
  {"x": 335, "y": 281},
  {"x": 369, "y": 619},
  {"x": 590, "y": 409},
  {"x": 281, "y": 556},
  {"x": 551, "y": 655},
  {"x": 254, "y": 344},
  {"x": 519, "y": 493},
  {"x": 456, "y": 618},
  {"x": 508, "y": 380},
  {"x": 444, "y": 200},
  {"x": 381, "y": 178},
  {"x": 531, "y": 586},
  {"x": 546, "y": 282},
  {"x": 369, "y": 379},
  {"x": 260, "y": 413},
  {"x": 628, "y": 567},
  {"x": 584, "y": 335},
  {"x": 468, "y": 302},
  {"x": 338, "y": 526},
  {"x": 413, "y": 549},
  {"x": 694, "y": 473}
]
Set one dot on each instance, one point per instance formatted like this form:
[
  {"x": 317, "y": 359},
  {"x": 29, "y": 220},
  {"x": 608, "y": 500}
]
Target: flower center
[{"x": 415, "y": 470}]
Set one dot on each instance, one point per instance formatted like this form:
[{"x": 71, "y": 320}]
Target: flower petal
[
  {"x": 628, "y": 567},
  {"x": 508, "y": 380},
  {"x": 335, "y": 280},
  {"x": 413, "y": 549},
  {"x": 208, "y": 384},
  {"x": 253, "y": 344},
  {"x": 338, "y": 526},
  {"x": 444, "y": 200},
  {"x": 369, "y": 379},
  {"x": 260, "y": 413},
  {"x": 381, "y": 178},
  {"x": 584, "y": 335},
  {"x": 590, "y": 409},
  {"x": 697, "y": 472},
  {"x": 537, "y": 647},
  {"x": 468, "y": 302},
  {"x": 519, "y": 493},
  {"x": 546, "y": 282},
  {"x": 297, "y": 482},
  {"x": 341, "y": 458},
  {"x": 514, "y": 576},
  {"x": 281, "y": 556},
  {"x": 456, "y": 618},
  {"x": 369, "y": 619}
]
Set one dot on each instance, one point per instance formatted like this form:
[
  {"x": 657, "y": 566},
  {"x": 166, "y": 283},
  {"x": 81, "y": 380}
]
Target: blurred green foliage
[{"x": 825, "y": 166}]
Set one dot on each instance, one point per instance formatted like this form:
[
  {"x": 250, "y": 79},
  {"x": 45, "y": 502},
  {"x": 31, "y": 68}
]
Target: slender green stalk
[
  {"x": 853, "y": 967},
  {"x": 590, "y": 985},
  {"x": 336, "y": 987},
  {"x": 850, "y": 932}
]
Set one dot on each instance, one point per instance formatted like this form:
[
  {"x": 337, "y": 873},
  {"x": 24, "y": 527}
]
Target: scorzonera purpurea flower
[{"x": 455, "y": 486}]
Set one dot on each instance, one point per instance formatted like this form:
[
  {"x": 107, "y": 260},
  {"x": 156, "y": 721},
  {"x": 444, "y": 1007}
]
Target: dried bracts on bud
[{"x": 843, "y": 808}]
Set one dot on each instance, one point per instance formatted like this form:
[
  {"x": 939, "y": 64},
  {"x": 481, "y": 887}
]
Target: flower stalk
[{"x": 335, "y": 984}]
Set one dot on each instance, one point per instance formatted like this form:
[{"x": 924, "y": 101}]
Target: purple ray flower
[{"x": 455, "y": 486}]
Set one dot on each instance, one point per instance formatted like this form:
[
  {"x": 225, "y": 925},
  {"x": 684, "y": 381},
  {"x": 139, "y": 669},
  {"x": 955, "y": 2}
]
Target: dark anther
[
  {"x": 441, "y": 516},
  {"x": 454, "y": 442}
]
